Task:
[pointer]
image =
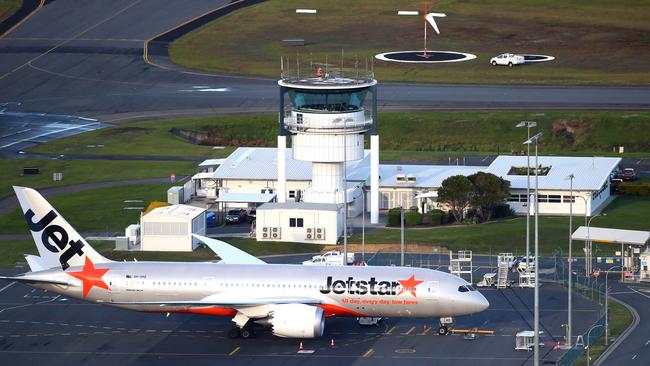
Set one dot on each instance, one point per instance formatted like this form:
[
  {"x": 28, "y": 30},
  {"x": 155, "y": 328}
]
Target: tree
[
  {"x": 489, "y": 192},
  {"x": 457, "y": 192}
]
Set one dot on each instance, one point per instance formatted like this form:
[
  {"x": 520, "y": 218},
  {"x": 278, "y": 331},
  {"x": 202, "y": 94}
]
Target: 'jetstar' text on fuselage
[{"x": 360, "y": 287}]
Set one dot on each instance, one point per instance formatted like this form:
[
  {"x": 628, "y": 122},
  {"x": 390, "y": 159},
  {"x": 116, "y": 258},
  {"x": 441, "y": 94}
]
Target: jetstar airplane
[{"x": 293, "y": 300}]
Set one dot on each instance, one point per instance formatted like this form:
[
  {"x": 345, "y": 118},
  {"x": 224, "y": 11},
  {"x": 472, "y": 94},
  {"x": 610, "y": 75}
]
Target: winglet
[{"x": 228, "y": 253}]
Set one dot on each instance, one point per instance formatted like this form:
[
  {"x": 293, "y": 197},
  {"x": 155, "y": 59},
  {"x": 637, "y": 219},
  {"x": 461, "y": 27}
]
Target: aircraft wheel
[
  {"x": 494, "y": 63},
  {"x": 246, "y": 332},
  {"x": 234, "y": 332},
  {"x": 443, "y": 330},
  {"x": 509, "y": 64}
]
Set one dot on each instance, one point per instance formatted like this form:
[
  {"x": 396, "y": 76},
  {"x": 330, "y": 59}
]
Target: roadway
[{"x": 87, "y": 61}]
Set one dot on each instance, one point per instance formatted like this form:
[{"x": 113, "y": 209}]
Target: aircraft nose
[{"x": 480, "y": 303}]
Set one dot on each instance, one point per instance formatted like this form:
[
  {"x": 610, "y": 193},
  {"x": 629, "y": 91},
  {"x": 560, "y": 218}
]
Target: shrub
[
  {"x": 501, "y": 211},
  {"x": 435, "y": 217},
  {"x": 412, "y": 218},
  {"x": 394, "y": 217},
  {"x": 632, "y": 189}
]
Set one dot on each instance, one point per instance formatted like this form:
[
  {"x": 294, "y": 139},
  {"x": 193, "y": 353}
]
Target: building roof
[
  {"x": 174, "y": 211},
  {"x": 260, "y": 163},
  {"x": 426, "y": 176},
  {"x": 590, "y": 173},
  {"x": 212, "y": 162},
  {"x": 607, "y": 235},
  {"x": 299, "y": 206},
  {"x": 246, "y": 197}
]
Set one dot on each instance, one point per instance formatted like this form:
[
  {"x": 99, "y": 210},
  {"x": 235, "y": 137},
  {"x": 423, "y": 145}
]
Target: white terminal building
[{"x": 301, "y": 192}]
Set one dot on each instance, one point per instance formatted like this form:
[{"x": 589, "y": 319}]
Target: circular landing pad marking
[
  {"x": 537, "y": 58},
  {"x": 432, "y": 57}
]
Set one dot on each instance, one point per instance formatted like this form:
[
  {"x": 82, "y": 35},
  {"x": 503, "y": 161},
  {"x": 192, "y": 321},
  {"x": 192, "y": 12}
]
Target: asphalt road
[
  {"x": 634, "y": 350},
  {"x": 87, "y": 61}
]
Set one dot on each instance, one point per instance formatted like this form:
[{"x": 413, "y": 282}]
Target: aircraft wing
[
  {"x": 228, "y": 253},
  {"x": 29, "y": 279},
  {"x": 227, "y": 300}
]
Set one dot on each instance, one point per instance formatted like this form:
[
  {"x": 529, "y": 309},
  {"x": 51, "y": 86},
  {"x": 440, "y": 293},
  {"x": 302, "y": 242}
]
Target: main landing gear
[{"x": 244, "y": 332}]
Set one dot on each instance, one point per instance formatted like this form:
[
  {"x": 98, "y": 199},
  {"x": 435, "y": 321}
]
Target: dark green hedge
[
  {"x": 412, "y": 218},
  {"x": 435, "y": 217},
  {"x": 632, "y": 189}
]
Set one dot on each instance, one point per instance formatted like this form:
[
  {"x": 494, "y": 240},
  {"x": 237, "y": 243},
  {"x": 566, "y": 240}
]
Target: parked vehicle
[
  {"x": 614, "y": 184},
  {"x": 236, "y": 216},
  {"x": 369, "y": 320},
  {"x": 331, "y": 258},
  {"x": 210, "y": 219},
  {"x": 252, "y": 214},
  {"x": 507, "y": 59},
  {"x": 629, "y": 174}
]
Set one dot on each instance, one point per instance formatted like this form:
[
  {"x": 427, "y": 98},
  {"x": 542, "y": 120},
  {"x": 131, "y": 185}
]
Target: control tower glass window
[{"x": 307, "y": 100}]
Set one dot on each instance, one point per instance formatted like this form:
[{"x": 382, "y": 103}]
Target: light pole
[
  {"x": 606, "y": 304},
  {"x": 535, "y": 140},
  {"x": 570, "y": 280},
  {"x": 588, "y": 246},
  {"x": 363, "y": 226},
  {"x": 589, "y": 339},
  {"x": 528, "y": 125},
  {"x": 401, "y": 218}
]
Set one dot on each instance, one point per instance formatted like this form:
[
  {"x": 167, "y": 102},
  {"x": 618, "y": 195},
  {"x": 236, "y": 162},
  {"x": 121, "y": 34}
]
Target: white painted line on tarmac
[
  {"x": 15, "y": 133},
  {"x": 48, "y": 133},
  {"x": 6, "y": 287},
  {"x": 647, "y": 342},
  {"x": 633, "y": 357}
]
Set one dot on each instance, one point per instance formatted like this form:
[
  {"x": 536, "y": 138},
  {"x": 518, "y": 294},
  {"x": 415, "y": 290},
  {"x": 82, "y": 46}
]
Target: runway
[
  {"x": 36, "y": 326},
  {"x": 87, "y": 61}
]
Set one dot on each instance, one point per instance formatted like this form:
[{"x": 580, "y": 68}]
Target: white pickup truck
[
  {"x": 331, "y": 258},
  {"x": 507, "y": 59}
]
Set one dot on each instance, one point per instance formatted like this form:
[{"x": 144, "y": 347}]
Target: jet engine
[{"x": 297, "y": 321}]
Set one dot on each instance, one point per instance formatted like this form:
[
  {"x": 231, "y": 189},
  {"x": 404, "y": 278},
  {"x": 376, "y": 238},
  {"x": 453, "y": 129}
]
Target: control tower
[{"x": 327, "y": 119}]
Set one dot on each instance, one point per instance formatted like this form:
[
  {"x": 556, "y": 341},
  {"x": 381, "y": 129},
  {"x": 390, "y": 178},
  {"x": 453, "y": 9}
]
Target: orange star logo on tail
[
  {"x": 91, "y": 276},
  {"x": 409, "y": 285}
]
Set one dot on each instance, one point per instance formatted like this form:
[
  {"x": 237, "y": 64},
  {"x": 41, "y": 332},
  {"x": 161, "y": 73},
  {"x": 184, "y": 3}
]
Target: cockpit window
[{"x": 466, "y": 288}]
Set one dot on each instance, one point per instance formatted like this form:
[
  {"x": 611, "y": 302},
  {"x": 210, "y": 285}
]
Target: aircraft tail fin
[{"x": 58, "y": 243}]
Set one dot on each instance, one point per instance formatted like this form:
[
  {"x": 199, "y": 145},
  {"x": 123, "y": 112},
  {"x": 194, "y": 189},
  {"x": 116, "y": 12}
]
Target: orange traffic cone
[
  {"x": 332, "y": 343},
  {"x": 300, "y": 347}
]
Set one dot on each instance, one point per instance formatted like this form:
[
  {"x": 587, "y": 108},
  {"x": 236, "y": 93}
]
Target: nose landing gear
[{"x": 443, "y": 329}]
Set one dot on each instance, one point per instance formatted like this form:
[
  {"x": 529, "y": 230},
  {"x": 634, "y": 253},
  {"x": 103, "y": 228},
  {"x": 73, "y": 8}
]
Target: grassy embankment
[
  {"x": 85, "y": 171},
  {"x": 595, "y": 42},
  {"x": 8, "y": 8},
  {"x": 403, "y": 136},
  {"x": 510, "y": 235}
]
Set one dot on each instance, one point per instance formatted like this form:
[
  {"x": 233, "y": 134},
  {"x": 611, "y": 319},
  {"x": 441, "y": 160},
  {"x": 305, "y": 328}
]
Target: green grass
[
  {"x": 510, "y": 235},
  {"x": 95, "y": 210},
  {"x": 8, "y": 8},
  {"x": 580, "y": 34},
  {"x": 404, "y": 135},
  {"x": 12, "y": 251},
  {"x": 85, "y": 171},
  {"x": 619, "y": 319}
]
